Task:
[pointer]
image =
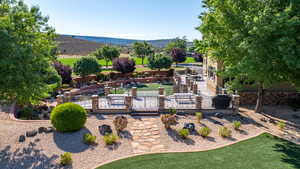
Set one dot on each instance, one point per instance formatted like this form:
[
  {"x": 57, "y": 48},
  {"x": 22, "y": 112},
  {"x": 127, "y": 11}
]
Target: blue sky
[{"x": 134, "y": 19}]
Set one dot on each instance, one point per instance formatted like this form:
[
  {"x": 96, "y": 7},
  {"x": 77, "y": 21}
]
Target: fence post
[
  {"x": 134, "y": 92},
  {"x": 176, "y": 88},
  {"x": 107, "y": 91},
  {"x": 236, "y": 103},
  {"x": 195, "y": 88},
  {"x": 67, "y": 97},
  {"x": 128, "y": 103},
  {"x": 184, "y": 88},
  {"x": 59, "y": 99},
  {"x": 198, "y": 102},
  {"x": 178, "y": 78},
  {"x": 188, "y": 82},
  {"x": 161, "y": 90},
  {"x": 161, "y": 102},
  {"x": 95, "y": 103}
]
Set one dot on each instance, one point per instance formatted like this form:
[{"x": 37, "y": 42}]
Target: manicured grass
[
  {"x": 138, "y": 61},
  {"x": 155, "y": 86},
  {"x": 262, "y": 152}
]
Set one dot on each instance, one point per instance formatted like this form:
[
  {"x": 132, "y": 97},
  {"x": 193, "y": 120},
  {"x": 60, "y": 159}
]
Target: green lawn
[
  {"x": 155, "y": 86},
  {"x": 262, "y": 152},
  {"x": 138, "y": 61}
]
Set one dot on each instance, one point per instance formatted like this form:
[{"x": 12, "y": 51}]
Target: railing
[{"x": 173, "y": 102}]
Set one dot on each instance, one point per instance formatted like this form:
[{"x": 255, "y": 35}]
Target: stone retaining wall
[
  {"x": 117, "y": 83},
  {"x": 270, "y": 97}
]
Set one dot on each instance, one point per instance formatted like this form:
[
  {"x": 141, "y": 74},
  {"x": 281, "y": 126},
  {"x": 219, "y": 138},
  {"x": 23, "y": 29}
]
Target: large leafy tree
[
  {"x": 108, "y": 53},
  {"x": 178, "y": 55},
  {"x": 142, "y": 50},
  {"x": 159, "y": 61},
  {"x": 177, "y": 43},
  {"x": 124, "y": 65},
  {"x": 86, "y": 66},
  {"x": 64, "y": 71},
  {"x": 26, "y": 53},
  {"x": 256, "y": 41}
]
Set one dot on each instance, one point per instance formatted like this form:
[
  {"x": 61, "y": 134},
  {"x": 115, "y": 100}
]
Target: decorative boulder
[
  {"x": 31, "y": 133},
  {"x": 49, "y": 130},
  {"x": 189, "y": 126},
  {"x": 42, "y": 129},
  {"x": 219, "y": 115},
  {"x": 22, "y": 138},
  {"x": 221, "y": 101},
  {"x": 105, "y": 129}
]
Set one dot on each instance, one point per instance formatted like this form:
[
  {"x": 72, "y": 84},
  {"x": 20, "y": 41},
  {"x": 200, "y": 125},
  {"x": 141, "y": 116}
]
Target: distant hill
[
  {"x": 160, "y": 43},
  {"x": 84, "y": 45},
  {"x": 71, "y": 46}
]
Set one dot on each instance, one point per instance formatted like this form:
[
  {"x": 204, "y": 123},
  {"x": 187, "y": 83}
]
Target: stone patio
[{"x": 146, "y": 135}]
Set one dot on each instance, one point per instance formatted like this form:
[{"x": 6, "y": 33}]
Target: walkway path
[{"x": 146, "y": 135}]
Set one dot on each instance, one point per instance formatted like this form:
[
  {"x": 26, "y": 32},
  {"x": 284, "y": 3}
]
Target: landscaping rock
[
  {"x": 219, "y": 115},
  {"x": 189, "y": 126},
  {"x": 49, "y": 130},
  {"x": 22, "y": 138},
  {"x": 31, "y": 133},
  {"x": 263, "y": 119},
  {"x": 42, "y": 129},
  {"x": 272, "y": 121},
  {"x": 105, "y": 129}
]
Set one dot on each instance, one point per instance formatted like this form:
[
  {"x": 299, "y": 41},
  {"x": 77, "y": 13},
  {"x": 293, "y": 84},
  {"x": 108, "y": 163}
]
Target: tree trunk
[
  {"x": 259, "y": 101},
  {"x": 142, "y": 60},
  {"x": 106, "y": 64}
]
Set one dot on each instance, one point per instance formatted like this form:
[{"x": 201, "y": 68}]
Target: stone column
[
  {"x": 195, "y": 88},
  {"x": 188, "y": 82},
  {"x": 178, "y": 78},
  {"x": 60, "y": 99},
  {"x": 134, "y": 92},
  {"x": 184, "y": 88},
  {"x": 128, "y": 103},
  {"x": 198, "y": 102},
  {"x": 107, "y": 91},
  {"x": 67, "y": 97},
  {"x": 176, "y": 88},
  {"x": 161, "y": 91},
  {"x": 95, "y": 103},
  {"x": 236, "y": 103},
  {"x": 161, "y": 102}
]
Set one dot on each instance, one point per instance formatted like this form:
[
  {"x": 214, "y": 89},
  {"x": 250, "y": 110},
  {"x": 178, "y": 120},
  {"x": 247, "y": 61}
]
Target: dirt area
[{"x": 143, "y": 135}]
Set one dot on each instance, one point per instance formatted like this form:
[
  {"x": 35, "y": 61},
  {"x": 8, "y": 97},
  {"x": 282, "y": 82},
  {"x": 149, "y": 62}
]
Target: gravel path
[{"x": 43, "y": 150}]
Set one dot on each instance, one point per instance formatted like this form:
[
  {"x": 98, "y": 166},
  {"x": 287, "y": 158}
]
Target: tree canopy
[
  {"x": 159, "y": 61},
  {"x": 178, "y": 55},
  {"x": 26, "y": 53},
  {"x": 256, "y": 41},
  {"x": 108, "y": 53},
  {"x": 142, "y": 50},
  {"x": 124, "y": 65},
  {"x": 86, "y": 66},
  {"x": 177, "y": 43}
]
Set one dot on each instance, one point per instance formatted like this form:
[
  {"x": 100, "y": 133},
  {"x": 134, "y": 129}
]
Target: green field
[
  {"x": 138, "y": 61},
  {"x": 262, "y": 152}
]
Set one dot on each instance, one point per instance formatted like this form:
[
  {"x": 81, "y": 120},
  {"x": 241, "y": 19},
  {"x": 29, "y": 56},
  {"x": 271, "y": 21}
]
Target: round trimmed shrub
[{"x": 68, "y": 117}]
